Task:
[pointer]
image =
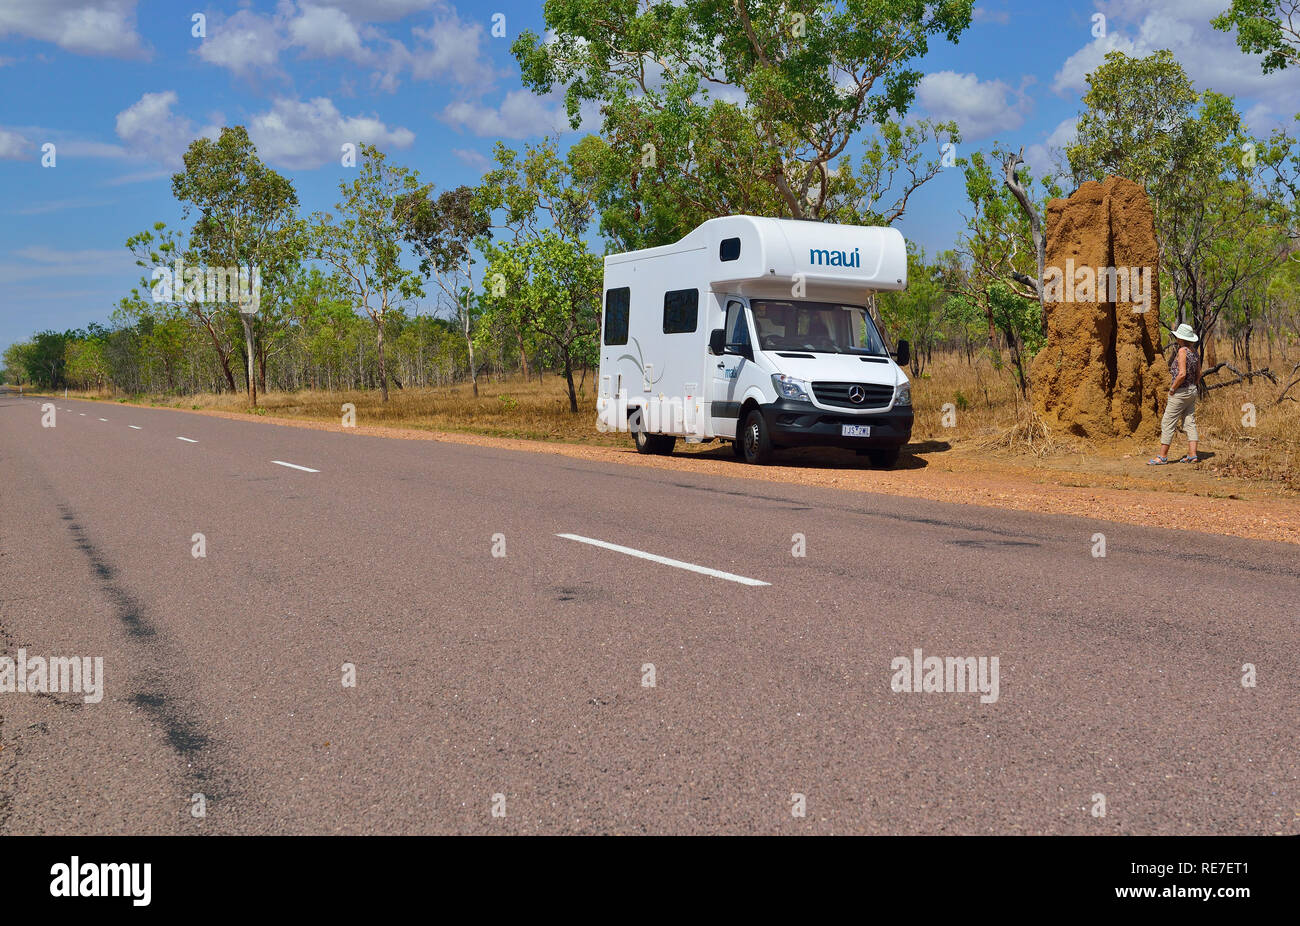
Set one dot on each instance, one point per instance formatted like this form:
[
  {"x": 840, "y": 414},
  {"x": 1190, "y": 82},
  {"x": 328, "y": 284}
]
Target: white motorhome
[{"x": 756, "y": 331}]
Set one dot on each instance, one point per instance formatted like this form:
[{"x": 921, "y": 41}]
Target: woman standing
[{"x": 1185, "y": 370}]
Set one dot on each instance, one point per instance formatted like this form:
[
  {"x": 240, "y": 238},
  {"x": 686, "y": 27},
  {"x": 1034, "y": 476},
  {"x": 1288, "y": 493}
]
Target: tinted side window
[
  {"x": 737, "y": 329},
  {"x": 681, "y": 310},
  {"x": 729, "y": 249},
  {"x": 617, "y": 302}
]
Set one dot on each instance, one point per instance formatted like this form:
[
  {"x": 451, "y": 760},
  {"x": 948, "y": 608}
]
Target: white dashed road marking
[
  {"x": 305, "y": 469},
  {"x": 691, "y": 567},
  {"x": 135, "y": 426},
  {"x": 188, "y": 440}
]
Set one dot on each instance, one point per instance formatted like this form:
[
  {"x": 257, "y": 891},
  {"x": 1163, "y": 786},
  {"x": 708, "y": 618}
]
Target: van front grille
[{"x": 837, "y": 394}]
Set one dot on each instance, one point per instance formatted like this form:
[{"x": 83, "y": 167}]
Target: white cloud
[
  {"x": 88, "y": 27},
  {"x": 520, "y": 115},
  {"x": 245, "y": 44},
  {"x": 1048, "y": 157},
  {"x": 472, "y": 158},
  {"x": 980, "y": 108},
  {"x": 14, "y": 147},
  {"x": 1074, "y": 72},
  {"x": 450, "y": 49},
  {"x": 382, "y": 10},
  {"x": 325, "y": 32},
  {"x": 249, "y": 44},
  {"x": 1211, "y": 58},
  {"x": 298, "y": 134},
  {"x": 983, "y": 14},
  {"x": 149, "y": 129},
  {"x": 37, "y": 261},
  {"x": 1064, "y": 133}
]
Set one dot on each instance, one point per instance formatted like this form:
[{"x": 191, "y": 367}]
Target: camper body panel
[
  {"x": 652, "y": 366},
  {"x": 731, "y": 263}
]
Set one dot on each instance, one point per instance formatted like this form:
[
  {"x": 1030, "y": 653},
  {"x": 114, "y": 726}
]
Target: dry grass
[
  {"x": 991, "y": 422},
  {"x": 511, "y": 408}
]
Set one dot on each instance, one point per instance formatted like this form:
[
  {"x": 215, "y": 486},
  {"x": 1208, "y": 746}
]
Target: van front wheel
[{"x": 756, "y": 443}]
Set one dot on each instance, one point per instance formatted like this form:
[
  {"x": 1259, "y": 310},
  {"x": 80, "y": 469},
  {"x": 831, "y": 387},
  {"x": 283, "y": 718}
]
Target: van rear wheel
[
  {"x": 756, "y": 442},
  {"x": 660, "y": 444}
]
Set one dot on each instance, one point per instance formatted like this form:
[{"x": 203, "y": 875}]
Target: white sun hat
[{"x": 1185, "y": 332}]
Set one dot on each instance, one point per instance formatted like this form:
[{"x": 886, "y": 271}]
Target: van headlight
[
  {"x": 787, "y": 387},
  {"x": 903, "y": 394}
]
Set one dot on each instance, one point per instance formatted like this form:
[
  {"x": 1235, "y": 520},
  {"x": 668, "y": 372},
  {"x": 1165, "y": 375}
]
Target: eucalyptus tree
[
  {"x": 443, "y": 230},
  {"x": 246, "y": 223},
  {"x": 363, "y": 244}
]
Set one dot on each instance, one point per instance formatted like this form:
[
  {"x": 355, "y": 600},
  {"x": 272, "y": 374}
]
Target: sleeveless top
[{"x": 1193, "y": 366}]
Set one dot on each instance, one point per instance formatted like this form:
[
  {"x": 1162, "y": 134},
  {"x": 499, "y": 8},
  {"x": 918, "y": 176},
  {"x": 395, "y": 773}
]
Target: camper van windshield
[{"x": 825, "y": 327}]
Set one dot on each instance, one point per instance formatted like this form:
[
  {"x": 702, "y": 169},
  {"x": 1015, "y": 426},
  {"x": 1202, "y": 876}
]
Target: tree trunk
[
  {"x": 568, "y": 375},
  {"x": 383, "y": 370},
  {"x": 469, "y": 344},
  {"x": 1035, "y": 221},
  {"x": 249, "y": 353},
  {"x": 222, "y": 356}
]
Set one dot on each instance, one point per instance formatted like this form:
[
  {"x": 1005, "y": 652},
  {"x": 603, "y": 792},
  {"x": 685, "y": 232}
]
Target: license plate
[{"x": 855, "y": 430}]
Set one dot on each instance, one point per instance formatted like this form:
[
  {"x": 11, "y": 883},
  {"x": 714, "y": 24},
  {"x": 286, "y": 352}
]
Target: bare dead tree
[
  {"x": 1241, "y": 377},
  {"x": 1295, "y": 381},
  {"x": 1009, "y": 165}
]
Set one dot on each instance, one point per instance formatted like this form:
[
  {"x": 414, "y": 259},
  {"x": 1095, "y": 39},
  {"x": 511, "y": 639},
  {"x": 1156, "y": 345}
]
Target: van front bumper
[{"x": 801, "y": 424}]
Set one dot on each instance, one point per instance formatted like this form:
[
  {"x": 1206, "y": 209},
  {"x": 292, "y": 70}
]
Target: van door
[{"x": 724, "y": 403}]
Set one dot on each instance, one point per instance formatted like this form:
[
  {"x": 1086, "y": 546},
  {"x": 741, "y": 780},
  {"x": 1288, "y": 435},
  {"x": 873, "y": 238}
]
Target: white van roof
[{"x": 765, "y": 254}]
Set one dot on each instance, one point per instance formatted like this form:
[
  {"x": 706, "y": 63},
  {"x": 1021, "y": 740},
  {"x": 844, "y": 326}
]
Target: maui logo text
[{"x": 821, "y": 256}]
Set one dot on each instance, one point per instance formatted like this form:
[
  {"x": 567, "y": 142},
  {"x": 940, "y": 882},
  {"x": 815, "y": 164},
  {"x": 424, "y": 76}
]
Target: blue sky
[{"x": 120, "y": 88}]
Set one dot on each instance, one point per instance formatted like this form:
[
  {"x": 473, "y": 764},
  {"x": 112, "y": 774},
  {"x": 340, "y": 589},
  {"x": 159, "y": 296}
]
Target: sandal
[
  {"x": 1189, "y": 459},
  {"x": 1158, "y": 461}
]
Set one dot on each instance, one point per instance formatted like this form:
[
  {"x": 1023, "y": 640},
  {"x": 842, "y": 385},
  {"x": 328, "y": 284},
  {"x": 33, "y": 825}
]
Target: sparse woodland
[{"x": 801, "y": 117}]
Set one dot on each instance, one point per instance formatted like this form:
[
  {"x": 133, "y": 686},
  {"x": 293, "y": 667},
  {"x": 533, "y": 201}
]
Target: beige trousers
[{"x": 1181, "y": 408}]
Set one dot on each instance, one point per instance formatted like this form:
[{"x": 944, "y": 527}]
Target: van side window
[
  {"x": 681, "y": 311},
  {"x": 729, "y": 249},
  {"x": 617, "y": 302},
  {"x": 737, "y": 329}
]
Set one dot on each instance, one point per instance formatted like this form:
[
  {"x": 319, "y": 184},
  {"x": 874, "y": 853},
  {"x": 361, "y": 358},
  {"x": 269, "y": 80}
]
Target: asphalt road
[{"x": 524, "y": 676}]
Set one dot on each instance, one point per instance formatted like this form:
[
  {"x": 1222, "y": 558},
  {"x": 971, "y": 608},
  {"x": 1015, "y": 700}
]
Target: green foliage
[
  {"x": 1139, "y": 122},
  {"x": 542, "y": 280},
  {"x": 1265, "y": 27},
  {"x": 992, "y": 273},
  {"x": 711, "y": 107},
  {"x": 1223, "y": 200},
  {"x": 918, "y": 312},
  {"x": 363, "y": 245}
]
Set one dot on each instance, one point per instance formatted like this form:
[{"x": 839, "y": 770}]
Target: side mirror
[
  {"x": 717, "y": 342},
  {"x": 903, "y": 354}
]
